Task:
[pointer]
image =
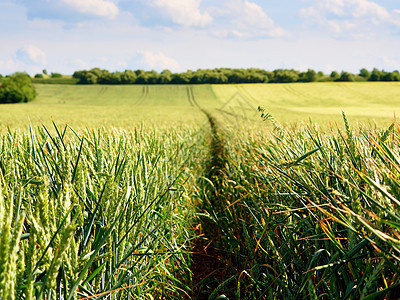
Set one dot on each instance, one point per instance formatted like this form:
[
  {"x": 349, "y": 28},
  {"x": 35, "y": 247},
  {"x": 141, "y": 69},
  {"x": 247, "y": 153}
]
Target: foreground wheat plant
[
  {"x": 181, "y": 213},
  {"x": 96, "y": 215},
  {"x": 304, "y": 213}
]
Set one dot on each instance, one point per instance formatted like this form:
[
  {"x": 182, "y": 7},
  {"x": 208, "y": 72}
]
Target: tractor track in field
[
  {"x": 145, "y": 92},
  {"x": 97, "y": 98},
  {"x": 192, "y": 98},
  {"x": 102, "y": 91},
  {"x": 295, "y": 92},
  {"x": 301, "y": 95},
  {"x": 246, "y": 94},
  {"x": 207, "y": 263},
  {"x": 210, "y": 265}
]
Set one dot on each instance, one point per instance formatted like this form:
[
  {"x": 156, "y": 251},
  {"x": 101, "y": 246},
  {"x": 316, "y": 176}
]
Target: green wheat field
[
  {"x": 279, "y": 191},
  {"x": 127, "y": 106}
]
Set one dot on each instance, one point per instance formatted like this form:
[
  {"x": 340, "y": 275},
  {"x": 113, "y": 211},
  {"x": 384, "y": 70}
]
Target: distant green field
[
  {"x": 321, "y": 101},
  {"x": 129, "y": 105}
]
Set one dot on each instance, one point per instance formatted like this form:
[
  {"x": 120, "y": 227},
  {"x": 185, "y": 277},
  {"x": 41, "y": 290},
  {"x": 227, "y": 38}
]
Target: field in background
[
  {"x": 321, "y": 101},
  {"x": 130, "y": 105}
]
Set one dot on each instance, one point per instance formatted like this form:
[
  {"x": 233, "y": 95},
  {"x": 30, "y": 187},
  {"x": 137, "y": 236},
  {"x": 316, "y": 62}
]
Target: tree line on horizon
[
  {"x": 227, "y": 76},
  {"x": 18, "y": 87}
]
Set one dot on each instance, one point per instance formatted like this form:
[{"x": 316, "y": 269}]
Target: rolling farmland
[
  {"x": 126, "y": 106},
  {"x": 134, "y": 192}
]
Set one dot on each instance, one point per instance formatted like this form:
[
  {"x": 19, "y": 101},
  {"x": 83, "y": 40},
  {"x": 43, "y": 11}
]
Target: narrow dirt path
[{"x": 209, "y": 264}]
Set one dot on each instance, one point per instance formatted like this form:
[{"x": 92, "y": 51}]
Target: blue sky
[{"x": 67, "y": 35}]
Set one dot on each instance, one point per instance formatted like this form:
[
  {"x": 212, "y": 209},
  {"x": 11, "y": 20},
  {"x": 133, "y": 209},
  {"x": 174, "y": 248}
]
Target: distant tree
[
  {"x": 165, "y": 77},
  {"x": 320, "y": 74},
  {"x": 128, "y": 77},
  {"x": 17, "y": 88},
  {"x": 55, "y": 75},
  {"x": 39, "y": 75},
  {"x": 302, "y": 77},
  {"x": 375, "y": 75},
  {"x": 78, "y": 74},
  {"x": 270, "y": 76},
  {"x": 222, "y": 78},
  {"x": 139, "y": 72},
  {"x": 209, "y": 76},
  {"x": 285, "y": 76},
  {"x": 152, "y": 77},
  {"x": 97, "y": 72},
  {"x": 103, "y": 77},
  {"x": 335, "y": 75},
  {"x": 396, "y": 75},
  {"x": 253, "y": 75},
  {"x": 390, "y": 76},
  {"x": 141, "y": 77},
  {"x": 387, "y": 76},
  {"x": 346, "y": 76},
  {"x": 197, "y": 78},
  {"x": 85, "y": 77},
  {"x": 236, "y": 76},
  {"x": 365, "y": 73},
  {"x": 181, "y": 78},
  {"x": 309, "y": 76},
  {"x": 90, "y": 79},
  {"x": 106, "y": 77},
  {"x": 44, "y": 71},
  {"x": 116, "y": 78}
]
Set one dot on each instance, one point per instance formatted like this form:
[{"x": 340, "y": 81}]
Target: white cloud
[
  {"x": 396, "y": 17},
  {"x": 253, "y": 15},
  {"x": 78, "y": 64},
  {"x": 351, "y": 17},
  {"x": 247, "y": 19},
  {"x": 186, "y": 13},
  {"x": 24, "y": 59},
  {"x": 100, "y": 8},
  {"x": 158, "y": 61},
  {"x": 70, "y": 11},
  {"x": 334, "y": 6},
  {"x": 354, "y": 8},
  {"x": 369, "y": 9},
  {"x": 9, "y": 65},
  {"x": 31, "y": 55}
]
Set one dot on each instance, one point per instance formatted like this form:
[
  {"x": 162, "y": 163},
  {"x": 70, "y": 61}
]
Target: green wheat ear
[
  {"x": 5, "y": 240},
  {"x": 10, "y": 235},
  {"x": 346, "y": 124},
  {"x": 265, "y": 116},
  {"x": 58, "y": 258}
]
